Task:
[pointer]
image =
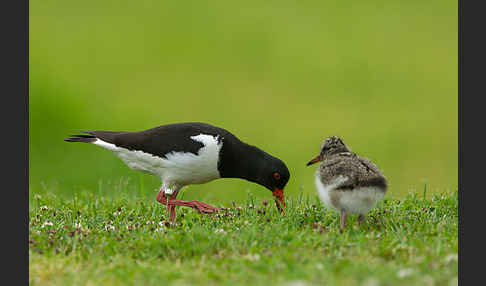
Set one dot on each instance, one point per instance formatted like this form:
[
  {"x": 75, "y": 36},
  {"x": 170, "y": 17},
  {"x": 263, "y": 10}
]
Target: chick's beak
[
  {"x": 279, "y": 199},
  {"x": 315, "y": 160}
]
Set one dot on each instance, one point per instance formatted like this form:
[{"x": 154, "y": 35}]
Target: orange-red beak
[
  {"x": 315, "y": 160},
  {"x": 279, "y": 200}
]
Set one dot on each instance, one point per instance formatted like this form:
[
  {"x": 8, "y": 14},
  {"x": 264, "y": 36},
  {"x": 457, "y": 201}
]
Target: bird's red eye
[{"x": 276, "y": 176}]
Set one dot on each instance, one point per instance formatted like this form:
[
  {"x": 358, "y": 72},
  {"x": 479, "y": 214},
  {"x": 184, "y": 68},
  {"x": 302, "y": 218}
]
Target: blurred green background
[{"x": 281, "y": 75}]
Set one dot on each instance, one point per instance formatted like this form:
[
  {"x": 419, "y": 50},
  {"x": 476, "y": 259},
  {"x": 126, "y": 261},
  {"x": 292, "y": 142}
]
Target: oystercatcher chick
[
  {"x": 182, "y": 154},
  {"x": 347, "y": 182}
]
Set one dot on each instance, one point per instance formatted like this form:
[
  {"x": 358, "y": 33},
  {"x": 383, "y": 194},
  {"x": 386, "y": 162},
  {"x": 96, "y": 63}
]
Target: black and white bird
[
  {"x": 191, "y": 153},
  {"x": 347, "y": 182}
]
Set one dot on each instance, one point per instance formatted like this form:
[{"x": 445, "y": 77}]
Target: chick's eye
[{"x": 276, "y": 176}]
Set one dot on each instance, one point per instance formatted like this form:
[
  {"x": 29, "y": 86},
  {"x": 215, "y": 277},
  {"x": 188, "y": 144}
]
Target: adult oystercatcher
[
  {"x": 191, "y": 153},
  {"x": 347, "y": 182}
]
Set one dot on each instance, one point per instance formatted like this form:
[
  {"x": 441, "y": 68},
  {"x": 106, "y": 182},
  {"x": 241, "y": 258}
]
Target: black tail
[{"x": 81, "y": 138}]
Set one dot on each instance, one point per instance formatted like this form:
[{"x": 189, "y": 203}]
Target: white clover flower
[
  {"x": 47, "y": 223},
  {"x": 43, "y": 208},
  {"x": 402, "y": 273},
  {"x": 371, "y": 282},
  {"x": 297, "y": 283},
  {"x": 252, "y": 257},
  {"x": 451, "y": 257}
]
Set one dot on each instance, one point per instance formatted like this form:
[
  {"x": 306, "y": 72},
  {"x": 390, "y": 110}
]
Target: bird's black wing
[{"x": 161, "y": 140}]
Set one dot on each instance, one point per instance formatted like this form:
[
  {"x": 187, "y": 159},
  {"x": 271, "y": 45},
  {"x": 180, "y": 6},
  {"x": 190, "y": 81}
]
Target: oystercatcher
[
  {"x": 347, "y": 182},
  {"x": 191, "y": 153}
]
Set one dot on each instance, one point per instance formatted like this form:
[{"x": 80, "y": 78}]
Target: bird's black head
[
  {"x": 330, "y": 146},
  {"x": 248, "y": 162},
  {"x": 274, "y": 175}
]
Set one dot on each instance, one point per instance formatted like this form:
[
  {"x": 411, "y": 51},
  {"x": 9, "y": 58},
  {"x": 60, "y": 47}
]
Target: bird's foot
[
  {"x": 200, "y": 206},
  {"x": 204, "y": 208}
]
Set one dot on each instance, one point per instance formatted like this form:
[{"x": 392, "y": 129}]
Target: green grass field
[{"x": 94, "y": 240}]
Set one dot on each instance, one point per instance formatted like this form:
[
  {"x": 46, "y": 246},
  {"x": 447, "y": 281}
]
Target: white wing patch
[{"x": 178, "y": 168}]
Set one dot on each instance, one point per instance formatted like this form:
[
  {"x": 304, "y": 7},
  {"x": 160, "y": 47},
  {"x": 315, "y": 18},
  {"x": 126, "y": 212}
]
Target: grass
[{"x": 93, "y": 239}]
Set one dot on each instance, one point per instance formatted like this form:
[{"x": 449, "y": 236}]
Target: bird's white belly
[
  {"x": 357, "y": 201},
  {"x": 178, "y": 168}
]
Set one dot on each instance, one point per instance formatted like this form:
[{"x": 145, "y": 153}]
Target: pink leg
[
  {"x": 163, "y": 199},
  {"x": 171, "y": 207},
  {"x": 172, "y": 213},
  {"x": 200, "y": 206},
  {"x": 172, "y": 202}
]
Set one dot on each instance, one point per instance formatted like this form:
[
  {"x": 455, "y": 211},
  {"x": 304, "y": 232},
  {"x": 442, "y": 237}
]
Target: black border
[
  {"x": 15, "y": 155},
  {"x": 471, "y": 75},
  {"x": 459, "y": 143}
]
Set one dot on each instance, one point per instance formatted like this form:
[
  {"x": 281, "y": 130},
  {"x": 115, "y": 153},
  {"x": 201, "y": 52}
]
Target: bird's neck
[{"x": 242, "y": 161}]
